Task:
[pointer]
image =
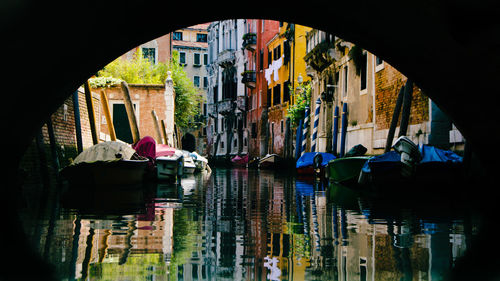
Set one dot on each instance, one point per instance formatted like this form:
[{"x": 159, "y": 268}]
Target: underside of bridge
[{"x": 451, "y": 50}]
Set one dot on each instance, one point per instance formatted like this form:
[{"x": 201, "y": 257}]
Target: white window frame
[
  {"x": 365, "y": 90},
  {"x": 380, "y": 66}
]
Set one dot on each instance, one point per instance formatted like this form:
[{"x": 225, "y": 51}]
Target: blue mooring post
[
  {"x": 335, "y": 130},
  {"x": 298, "y": 140},
  {"x": 344, "y": 130},
  {"x": 78, "y": 127}
]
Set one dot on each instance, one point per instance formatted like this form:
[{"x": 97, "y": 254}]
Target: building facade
[
  {"x": 227, "y": 134},
  {"x": 343, "y": 73},
  {"x": 192, "y": 45}
]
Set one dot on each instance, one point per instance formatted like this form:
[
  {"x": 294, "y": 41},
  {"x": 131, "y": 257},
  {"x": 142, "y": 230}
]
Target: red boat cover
[
  {"x": 164, "y": 150},
  {"x": 146, "y": 147}
]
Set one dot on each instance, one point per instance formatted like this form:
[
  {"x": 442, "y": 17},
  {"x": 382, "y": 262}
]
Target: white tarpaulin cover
[{"x": 105, "y": 151}]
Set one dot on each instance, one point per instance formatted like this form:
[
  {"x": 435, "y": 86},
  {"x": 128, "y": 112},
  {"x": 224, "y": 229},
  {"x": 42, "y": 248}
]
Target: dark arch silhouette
[
  {"x": 49, "y": 48},
  {"x": 188, "y": 142}
]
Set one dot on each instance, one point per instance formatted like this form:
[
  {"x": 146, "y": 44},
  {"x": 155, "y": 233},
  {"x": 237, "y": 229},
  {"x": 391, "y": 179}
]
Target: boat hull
[
  {"x": 123, "y": 172},
  {"x": 344, "y": 170},
  {"x": 169, "y": 167}
]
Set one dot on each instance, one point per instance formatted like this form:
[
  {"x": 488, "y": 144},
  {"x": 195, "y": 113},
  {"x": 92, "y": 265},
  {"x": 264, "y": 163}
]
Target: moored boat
[
  {"x": 106, "y": 163},
  {"x": 189, "y": 165},
  {"x": 240, "y": 161},
  {"x": 269, "y": 161},
  {"x": 199, "y": 161},
  {"x": 346, "y": 169},
  {"x": 305, "y": 164},
  {"x": 426, "y": 164},
  {"x": 170, "y": 167}
]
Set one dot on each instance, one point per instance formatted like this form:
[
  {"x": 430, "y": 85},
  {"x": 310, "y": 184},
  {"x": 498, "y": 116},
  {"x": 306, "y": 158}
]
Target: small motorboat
[
  {"x": 346, "y": 169},
  {"x": 170, "y": 167},
  {"x": 306, "y": 163},
  {"x": 189, "y": 165},
  {"x": 107, "y": 163},
  {"x": 269, "y": 161},
  {"x": 199, "y": 161}
]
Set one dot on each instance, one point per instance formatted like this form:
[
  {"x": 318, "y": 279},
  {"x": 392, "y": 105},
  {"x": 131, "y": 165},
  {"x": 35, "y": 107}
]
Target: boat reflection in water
[{"x": 241, "y": 224}]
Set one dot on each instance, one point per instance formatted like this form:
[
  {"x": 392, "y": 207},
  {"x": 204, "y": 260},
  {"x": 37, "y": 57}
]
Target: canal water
[{"x": 239, "y": 224}]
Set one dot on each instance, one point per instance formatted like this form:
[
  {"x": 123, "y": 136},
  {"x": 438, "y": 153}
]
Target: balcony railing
[
  {"x": 226, "y": 58},
  {"x": 225, "y": 106},
  {"x": 250, "y": 41},
  {"x": 249, "y": 78},
  {"x": 241, "y": 103}
]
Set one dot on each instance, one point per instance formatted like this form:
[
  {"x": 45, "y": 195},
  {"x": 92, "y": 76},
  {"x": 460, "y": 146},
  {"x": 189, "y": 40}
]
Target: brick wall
[
  {"x": 388, "y": 81},
  {"x": 147, "y": 97}
]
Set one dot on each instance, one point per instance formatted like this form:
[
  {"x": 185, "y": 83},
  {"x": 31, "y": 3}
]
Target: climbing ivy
[{"x": 296, "y": 111}]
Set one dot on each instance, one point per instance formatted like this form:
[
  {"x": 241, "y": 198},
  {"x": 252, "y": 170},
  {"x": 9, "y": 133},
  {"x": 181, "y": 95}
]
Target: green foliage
[
  {"x": 296, "y": 111},
  {"x": 140, "y": 70},
  {"x": 356, "y": 54},
  {"x": 104, "y": 81}
]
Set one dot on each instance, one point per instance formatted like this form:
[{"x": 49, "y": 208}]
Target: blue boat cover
[
  {"x": 430, "y": 155},
  {"x": 307, "y": 159}
]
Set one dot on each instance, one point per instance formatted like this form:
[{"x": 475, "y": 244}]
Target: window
[
  {"x": 277, "y": 52},
  {"x": 205, "y": 59},
  {"x": 149, "y": 54},
  {"x": 177, "y": 36},
  {"x": 261, "y": 60},
  {"x": 196, "y": 59},
  {"x": 346, "y": 72},
  {"x": 196, "y": 81},
  {"x": 286, "y": 91},
  {"x": 364, "y": 62},
  {"x": 281, "y": 124},
  {"x": 277, "y": 94},
  {"x": 379, "y": 64},
  {"x": 205, "y": 82},
  {"x": 254, "y": 130},
  {"x": 182, "y": 57},
  {"x": 200, "y": 37},
  {"x": 269, "y": 58}
]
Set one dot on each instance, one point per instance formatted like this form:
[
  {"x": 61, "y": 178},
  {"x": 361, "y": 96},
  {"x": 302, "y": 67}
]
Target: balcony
[
  {"x": 241, "y": 103},
  {"x": 250, "y": 41},
  {"x": 249, "y": 78},
  {"x": 225, "y": 107},
  {"x": 226, "y": 58}
]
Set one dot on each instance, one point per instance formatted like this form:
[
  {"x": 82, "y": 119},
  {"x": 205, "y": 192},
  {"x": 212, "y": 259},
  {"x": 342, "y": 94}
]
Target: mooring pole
[
  {"x": 107, "y": 114},
  {"x": 90, "y": 109},
  {"x": 129, "y": 107},
  {"x": 78, "y": 126},
  {"x": 405, "y": 114},
  {"x": 157, "y": 127},
  {"x": 394, "y": 120}
]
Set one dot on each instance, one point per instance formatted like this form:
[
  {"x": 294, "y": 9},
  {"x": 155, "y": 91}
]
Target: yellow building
[{"x": 286, "y": 64}]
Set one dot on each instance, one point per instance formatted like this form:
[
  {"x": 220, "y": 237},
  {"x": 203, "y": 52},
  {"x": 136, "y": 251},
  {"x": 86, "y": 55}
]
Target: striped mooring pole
[
  {"x": 314, "y": 135},
  {"x": 335, "y": 130},
  {"x": 304, "y": 131}
]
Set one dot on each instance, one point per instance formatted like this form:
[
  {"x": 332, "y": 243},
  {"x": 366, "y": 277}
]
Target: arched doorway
[{"x": 188, "y": 142}]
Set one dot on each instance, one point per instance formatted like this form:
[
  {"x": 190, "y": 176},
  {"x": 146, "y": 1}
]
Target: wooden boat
[
  {"x": 346, "y": 170},
  {"x": 170, "y": 167},
  {"x": 305, "y": 164},
  {"x": 269, "y": 161},
  {"x": 106, "y": 163}
]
